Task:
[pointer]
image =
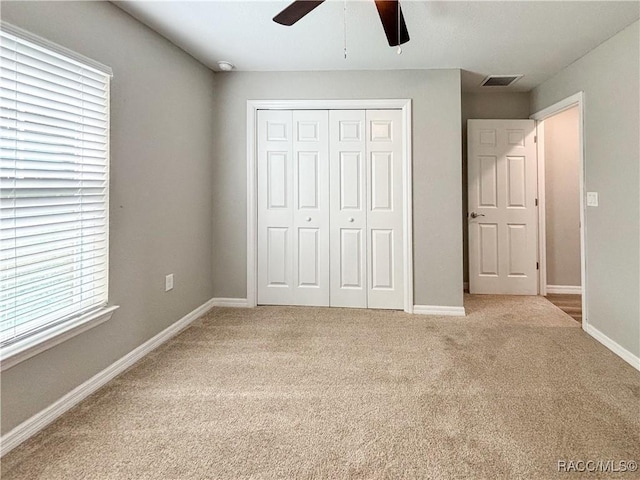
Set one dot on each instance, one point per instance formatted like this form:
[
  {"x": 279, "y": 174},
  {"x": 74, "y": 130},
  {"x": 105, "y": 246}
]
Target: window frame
[{"x": 49, "y": 336}]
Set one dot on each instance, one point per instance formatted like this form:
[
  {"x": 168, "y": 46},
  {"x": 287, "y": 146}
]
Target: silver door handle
[
  {"x": 474, "y": 214},
  {"x": 350, "y": 219},
  {"x": 308, "y": 219}
]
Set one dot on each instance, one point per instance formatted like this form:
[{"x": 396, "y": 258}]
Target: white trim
[
  {"x": 365, "y": 104},
  {"x": 14, "y": 353},
  {"x": 252, "y": 216},
  {"x": 59, "y": 49},
  {"x": 439, "y": 310},
  {"x": 564, "y": 289},
  {"x": 40, "y": 420},
  {"x": 230, "y": 302},
  {"x": 407, "y": 203},
  {"x": 558, "y": 107},
  {"x": 574, "y": 100},
  {"x": 616, "y": 348},
  {"x": 542, "y": 211},
  {"x": 252, "y": 207}
]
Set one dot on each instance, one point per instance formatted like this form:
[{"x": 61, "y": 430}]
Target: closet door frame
[{"x": 253, "y": 106}]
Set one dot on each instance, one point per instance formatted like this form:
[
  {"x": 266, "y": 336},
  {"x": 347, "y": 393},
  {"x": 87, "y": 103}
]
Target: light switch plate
[
  {"x": 168, "y": 282},
  {"x": 592, "y": 199}
]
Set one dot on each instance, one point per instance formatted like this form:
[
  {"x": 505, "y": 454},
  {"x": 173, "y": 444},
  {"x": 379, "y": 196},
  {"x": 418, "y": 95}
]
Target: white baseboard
[
  {"x": 615, "y": 347},
  {"x": 230, "y": 302},
  {"x": 564, "y": 289},
  {"x": 439, "y": 310},
  {"x": 33, "y": 425}
]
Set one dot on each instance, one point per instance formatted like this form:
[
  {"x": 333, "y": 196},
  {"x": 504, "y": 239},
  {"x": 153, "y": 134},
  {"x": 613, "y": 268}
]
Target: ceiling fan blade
[
  {"x": 389, "y": 11},
  {"x": 296, "y": 11}
]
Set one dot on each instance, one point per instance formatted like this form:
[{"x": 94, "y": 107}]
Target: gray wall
[
  {"x": 562, "y": 196},
  {"x": 436, "y": 167},
  {"x": 610, "y": 77},
  {"x": 162, "y": 107},
  {"x": 488, "y": 106}
]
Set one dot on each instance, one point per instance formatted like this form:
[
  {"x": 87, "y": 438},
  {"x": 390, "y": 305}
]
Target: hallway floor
[{"x": 569, "y": 304}]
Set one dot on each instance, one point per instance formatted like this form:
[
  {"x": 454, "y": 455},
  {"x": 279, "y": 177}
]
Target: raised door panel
[
  {"x": 488, "y": 249},
  {"x": 487, "y": 187},
  {"x": 308, "y": 178},
  {"x": 350, "y": 169},
  {"x": 308, "y": 261},
  {"x": 382, "y": 259},
  {"x": 348, "y": 209},
  {"x": 382, "y": 181},
  {"x": 278, "y": 256},
  {"x": 351, "y": 267},
  {"x": 517, "y": 250},
  {"x": 516, "y": 182},
  {"x": 277, "y": 180}
]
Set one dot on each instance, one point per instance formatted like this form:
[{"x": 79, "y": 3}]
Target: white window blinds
[{"x": 54, "y": 163}]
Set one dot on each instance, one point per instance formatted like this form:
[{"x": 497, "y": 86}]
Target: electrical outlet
[
  {"x": 168, "y": 282},
  {"x": 592, "y": 199}
]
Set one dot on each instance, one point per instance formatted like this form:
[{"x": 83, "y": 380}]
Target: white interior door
[
  {"x": 293, "y": 208},
  {"x": 384, "y": 209},
  {"x": 502, "y": 207},
  {"x": 348, "y": 208}
]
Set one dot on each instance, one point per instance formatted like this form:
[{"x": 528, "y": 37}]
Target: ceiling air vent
[{"x": 500, "y": 80}]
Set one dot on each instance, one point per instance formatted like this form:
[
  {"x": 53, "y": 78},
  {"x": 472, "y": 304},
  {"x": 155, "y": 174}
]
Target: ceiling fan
[{"x": 389, "y": 11}]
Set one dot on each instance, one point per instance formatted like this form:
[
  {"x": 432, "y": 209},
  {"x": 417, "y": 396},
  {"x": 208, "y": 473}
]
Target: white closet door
[
  {"x": 311, "y": 208},
  {"x": 348, "y": 209},
  {"x": 293, "y": 208},
  {"x": 384, "y": 209},
  {"x": 330, "y": 208}
]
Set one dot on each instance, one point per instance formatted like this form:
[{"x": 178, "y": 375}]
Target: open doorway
[
  {"x": 560, "y": 274},
  {"x": 561, "y": 208}
]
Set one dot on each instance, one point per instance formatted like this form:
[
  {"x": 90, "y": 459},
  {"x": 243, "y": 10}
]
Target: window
[{"x": 54, "y": 178}]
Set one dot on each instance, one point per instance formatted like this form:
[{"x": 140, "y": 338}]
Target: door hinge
[
  {"x": 536, "y": 202},
  {"x": 537, "y": 265},
  {"x": 535, "y": 139}
]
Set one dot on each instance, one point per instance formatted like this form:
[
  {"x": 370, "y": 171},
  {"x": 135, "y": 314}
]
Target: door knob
[
  {"x": 474, "y": 214},
  {"x": 308, "y": 219},
  {"x": 350, "y": 219}
]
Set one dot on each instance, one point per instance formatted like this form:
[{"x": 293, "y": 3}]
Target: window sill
[{"x": 13, "y": 354}]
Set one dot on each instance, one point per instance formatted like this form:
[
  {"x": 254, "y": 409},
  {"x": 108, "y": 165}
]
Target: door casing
[
  {"x": 576, "y": 100},
  {"x": 252, "y": 211}
]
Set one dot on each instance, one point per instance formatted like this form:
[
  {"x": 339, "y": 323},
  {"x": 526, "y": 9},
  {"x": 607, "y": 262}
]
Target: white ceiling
[{"x": 536, "y": 38}]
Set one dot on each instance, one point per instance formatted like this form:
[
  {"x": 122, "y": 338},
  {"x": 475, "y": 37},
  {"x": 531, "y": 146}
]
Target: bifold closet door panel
[
  {"x": 311, "y": 208},
  {"x": 384, "y": 209},
  {"x": 275, "y": 210},
  {"x": 293, "y": 207},
  {"x": 348, "y": 209}
]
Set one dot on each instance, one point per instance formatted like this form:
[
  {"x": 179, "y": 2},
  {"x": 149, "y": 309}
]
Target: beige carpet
[{"x": 335, "y": 393}]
